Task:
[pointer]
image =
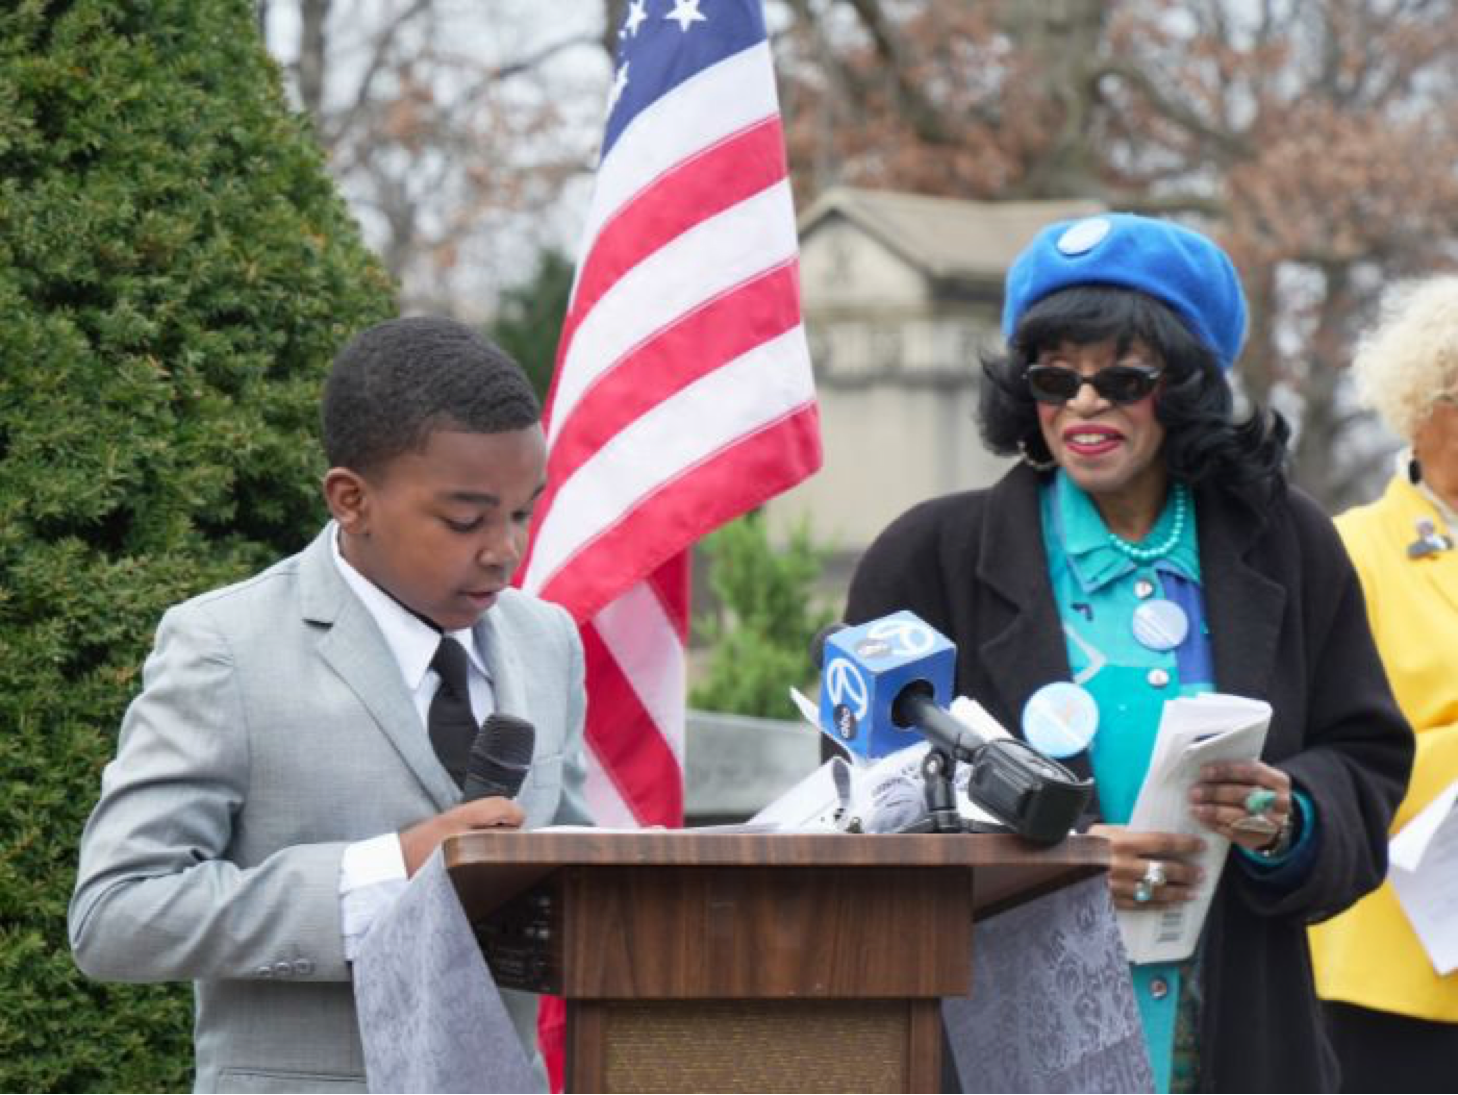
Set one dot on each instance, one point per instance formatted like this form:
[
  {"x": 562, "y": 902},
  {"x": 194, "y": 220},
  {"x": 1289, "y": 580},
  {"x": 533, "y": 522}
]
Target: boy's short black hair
[{"x": 397, "y": 382}]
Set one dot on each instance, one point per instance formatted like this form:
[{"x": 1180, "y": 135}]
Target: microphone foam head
[
  {"x": 501, "y": 754},
  {"x": 817, "y": 644}
]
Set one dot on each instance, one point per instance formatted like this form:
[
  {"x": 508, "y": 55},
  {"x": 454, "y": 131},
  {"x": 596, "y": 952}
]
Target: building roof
[{"x": 945, "y": 237}]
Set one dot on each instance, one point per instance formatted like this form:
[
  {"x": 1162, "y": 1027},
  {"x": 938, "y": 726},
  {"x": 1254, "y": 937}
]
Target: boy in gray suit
[{"x": 299, "y": 743}]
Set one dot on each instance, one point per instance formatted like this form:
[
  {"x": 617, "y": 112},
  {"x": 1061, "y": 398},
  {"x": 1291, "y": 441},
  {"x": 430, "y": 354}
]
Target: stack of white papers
[
  {"x": 1193, "y": 732},
  {"x": 1423, "y": 866}
]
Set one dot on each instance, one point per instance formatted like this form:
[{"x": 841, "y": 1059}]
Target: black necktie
[{"x": 450, "y": 722}]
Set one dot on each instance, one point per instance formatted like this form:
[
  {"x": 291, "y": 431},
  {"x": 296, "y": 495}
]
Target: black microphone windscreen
[
  {"x": 500, "y": 757},
  {"x": 817, "y": 644}
]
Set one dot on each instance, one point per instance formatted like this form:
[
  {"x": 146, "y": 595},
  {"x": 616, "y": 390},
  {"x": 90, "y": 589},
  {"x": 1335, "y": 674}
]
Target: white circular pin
[
  {"x": 1084, "y": 236},
  {"x": 1160, "y": 624},
  {"x": 1060, "y": 719}
]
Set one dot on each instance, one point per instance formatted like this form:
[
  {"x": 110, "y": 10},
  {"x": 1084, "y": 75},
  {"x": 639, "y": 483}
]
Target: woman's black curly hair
[{"x": 1203, "y": 442}]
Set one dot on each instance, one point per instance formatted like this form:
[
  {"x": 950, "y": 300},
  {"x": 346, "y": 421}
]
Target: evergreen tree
[
  {"x": 176, "y": 271},
  {"x": 528, "y": 323},
  {"x": 767, "y": 615}
]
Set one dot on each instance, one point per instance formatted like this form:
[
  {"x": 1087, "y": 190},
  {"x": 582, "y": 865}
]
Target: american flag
[{"x": 683, "y": 394}]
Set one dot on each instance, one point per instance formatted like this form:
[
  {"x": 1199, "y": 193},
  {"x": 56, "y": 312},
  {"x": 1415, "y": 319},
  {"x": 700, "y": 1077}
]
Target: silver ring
[
  {"x": 1143, "y": 891},
  {"x": 1154, "y": 875},
  {"x": 1258, "y": 824}
]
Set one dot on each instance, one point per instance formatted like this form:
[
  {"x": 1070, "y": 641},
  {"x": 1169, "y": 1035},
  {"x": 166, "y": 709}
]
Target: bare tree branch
[
  {"x": 384, "y": 42},
  {"x": 1229, "y": 146},
  {"x": 313, "y": 46},
  {"x": 925, "y": 119}
]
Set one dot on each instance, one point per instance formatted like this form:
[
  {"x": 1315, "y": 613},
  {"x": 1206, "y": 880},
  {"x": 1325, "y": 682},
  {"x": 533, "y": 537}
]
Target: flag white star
[
  {"x": 637, "y": 12},
  {"x": 620, "y": 81},
  {"x": 686, "y": 12}
]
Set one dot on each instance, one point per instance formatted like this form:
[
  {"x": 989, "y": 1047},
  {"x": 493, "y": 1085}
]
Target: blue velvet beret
[{"x": 1178, "y": 266}]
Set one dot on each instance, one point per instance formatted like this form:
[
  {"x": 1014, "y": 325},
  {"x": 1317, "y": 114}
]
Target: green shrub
[
  {"x": 176, "y": 271},
  {"x": 760, "y": 637}
]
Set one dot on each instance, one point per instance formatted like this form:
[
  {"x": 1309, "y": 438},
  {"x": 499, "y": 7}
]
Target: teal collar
[{"x": 1092, "y": 556}]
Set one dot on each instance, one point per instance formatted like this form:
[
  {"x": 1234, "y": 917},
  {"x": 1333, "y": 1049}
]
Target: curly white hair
[{"x": 1410, "y": 359}]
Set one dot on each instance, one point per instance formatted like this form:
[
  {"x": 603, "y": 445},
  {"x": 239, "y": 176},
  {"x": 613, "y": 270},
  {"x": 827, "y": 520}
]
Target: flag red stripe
[
  {"x": 737, "y": 478},
  {"x": 680, "y": 354},
  {"x": 628, "y": 744},
  {"x": 716, "y": 179}
]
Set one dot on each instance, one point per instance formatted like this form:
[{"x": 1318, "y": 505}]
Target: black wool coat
[{"x": 1287, "y": 625}]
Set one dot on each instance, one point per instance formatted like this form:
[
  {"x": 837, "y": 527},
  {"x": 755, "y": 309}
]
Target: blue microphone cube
[{"x": 864, "y": 670}]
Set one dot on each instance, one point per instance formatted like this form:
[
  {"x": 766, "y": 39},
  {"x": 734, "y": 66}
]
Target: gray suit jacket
[{"x": 272, "y": 730}]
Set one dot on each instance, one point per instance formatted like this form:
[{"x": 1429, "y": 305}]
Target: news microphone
[
  {"x": 864, "y": 669},
  {"x": 885, "y": 685},
  {"x": 500, "y": 757}
]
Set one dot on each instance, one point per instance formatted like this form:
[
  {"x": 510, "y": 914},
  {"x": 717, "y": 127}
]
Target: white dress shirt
[{"x": 372, "y": 873}]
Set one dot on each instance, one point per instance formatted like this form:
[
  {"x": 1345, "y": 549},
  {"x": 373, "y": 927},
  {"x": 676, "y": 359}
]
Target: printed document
[
  {"x": 1423, "y": 867},
  {"x": 1193, "y": 731}
]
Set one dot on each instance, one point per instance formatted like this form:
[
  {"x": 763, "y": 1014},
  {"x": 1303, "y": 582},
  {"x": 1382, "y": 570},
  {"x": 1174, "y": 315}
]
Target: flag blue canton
[{"x": 662, "y": 52}]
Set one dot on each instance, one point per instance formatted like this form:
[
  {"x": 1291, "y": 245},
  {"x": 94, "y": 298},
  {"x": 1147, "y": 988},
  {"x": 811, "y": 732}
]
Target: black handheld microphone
[{"x": 500, "y": 757}]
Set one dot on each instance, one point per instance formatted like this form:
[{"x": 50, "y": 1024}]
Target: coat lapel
[
  {"x": 501, "y": 662},
  {"x": 1243, "y": 607},
  {"x": 1024, "y": 648},
  {"x": 354, "y": 648},
  {"x": 1408, "y": 507}
]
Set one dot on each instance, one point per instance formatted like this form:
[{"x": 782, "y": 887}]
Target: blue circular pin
[
  {"x": 1060, "y": 719},
  {"x": 1160, "y": 624}
]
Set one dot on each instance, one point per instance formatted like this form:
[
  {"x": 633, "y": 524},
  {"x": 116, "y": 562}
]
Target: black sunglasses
[{"x": 1117, "y": 383}]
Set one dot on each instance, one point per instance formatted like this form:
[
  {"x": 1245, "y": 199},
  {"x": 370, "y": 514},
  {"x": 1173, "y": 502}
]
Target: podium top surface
[
  {"x": 494, "y": 866},
  {"x": 718, "y": 848}
]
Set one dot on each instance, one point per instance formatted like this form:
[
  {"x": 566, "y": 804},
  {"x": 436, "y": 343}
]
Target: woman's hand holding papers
[
  {"x": 1150, "y": 870},
  {"x": 1247, "y": 802}
]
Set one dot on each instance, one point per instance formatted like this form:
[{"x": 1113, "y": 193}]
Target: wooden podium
[{"x": 747, "y": 962}]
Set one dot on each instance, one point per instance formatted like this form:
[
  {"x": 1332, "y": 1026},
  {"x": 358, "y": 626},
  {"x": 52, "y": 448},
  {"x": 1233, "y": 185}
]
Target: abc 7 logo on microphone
[
  {"x": 903, "y": 638},
  {"x": 849, "y": 696}
]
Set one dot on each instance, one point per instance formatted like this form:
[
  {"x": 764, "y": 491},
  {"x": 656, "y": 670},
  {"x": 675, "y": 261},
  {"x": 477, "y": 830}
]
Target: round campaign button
[
  {"x": 1060, "y": 719},
  {"x": 1084, "y": 236},
  {"x": 1160, "y": 624}
]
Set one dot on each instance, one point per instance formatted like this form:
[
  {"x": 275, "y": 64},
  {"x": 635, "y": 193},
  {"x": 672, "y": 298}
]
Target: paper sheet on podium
[{"x": 1193, "y": 732}]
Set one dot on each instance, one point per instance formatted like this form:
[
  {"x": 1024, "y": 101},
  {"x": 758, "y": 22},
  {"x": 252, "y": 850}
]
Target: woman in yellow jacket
[{"x": 1393, "y": 1019}]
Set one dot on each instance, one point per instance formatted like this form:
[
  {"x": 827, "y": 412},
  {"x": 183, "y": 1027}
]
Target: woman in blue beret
[{"x": 1147, "y": 546}]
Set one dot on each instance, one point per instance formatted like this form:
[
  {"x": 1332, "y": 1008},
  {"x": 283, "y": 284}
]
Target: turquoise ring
[{"x": 1259, "y": 801}]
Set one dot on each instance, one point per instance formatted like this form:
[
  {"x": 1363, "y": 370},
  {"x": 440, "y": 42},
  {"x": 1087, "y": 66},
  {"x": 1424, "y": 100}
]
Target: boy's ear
[{"x": 347, "y": 495}]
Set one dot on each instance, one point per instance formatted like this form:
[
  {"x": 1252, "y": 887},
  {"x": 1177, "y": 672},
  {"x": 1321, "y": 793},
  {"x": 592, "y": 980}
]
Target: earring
[{"x": 1032, "y": 461}]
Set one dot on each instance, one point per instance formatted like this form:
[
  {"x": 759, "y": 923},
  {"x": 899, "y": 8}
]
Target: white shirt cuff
[{"x": 371, "y": 876}]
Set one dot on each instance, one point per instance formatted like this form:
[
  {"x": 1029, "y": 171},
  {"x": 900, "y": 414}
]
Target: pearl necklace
[{"x": 1147, "y": 554}]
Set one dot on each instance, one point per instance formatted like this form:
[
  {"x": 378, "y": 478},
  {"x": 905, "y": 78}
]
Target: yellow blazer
[{"x": 1370, "y": 955}]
